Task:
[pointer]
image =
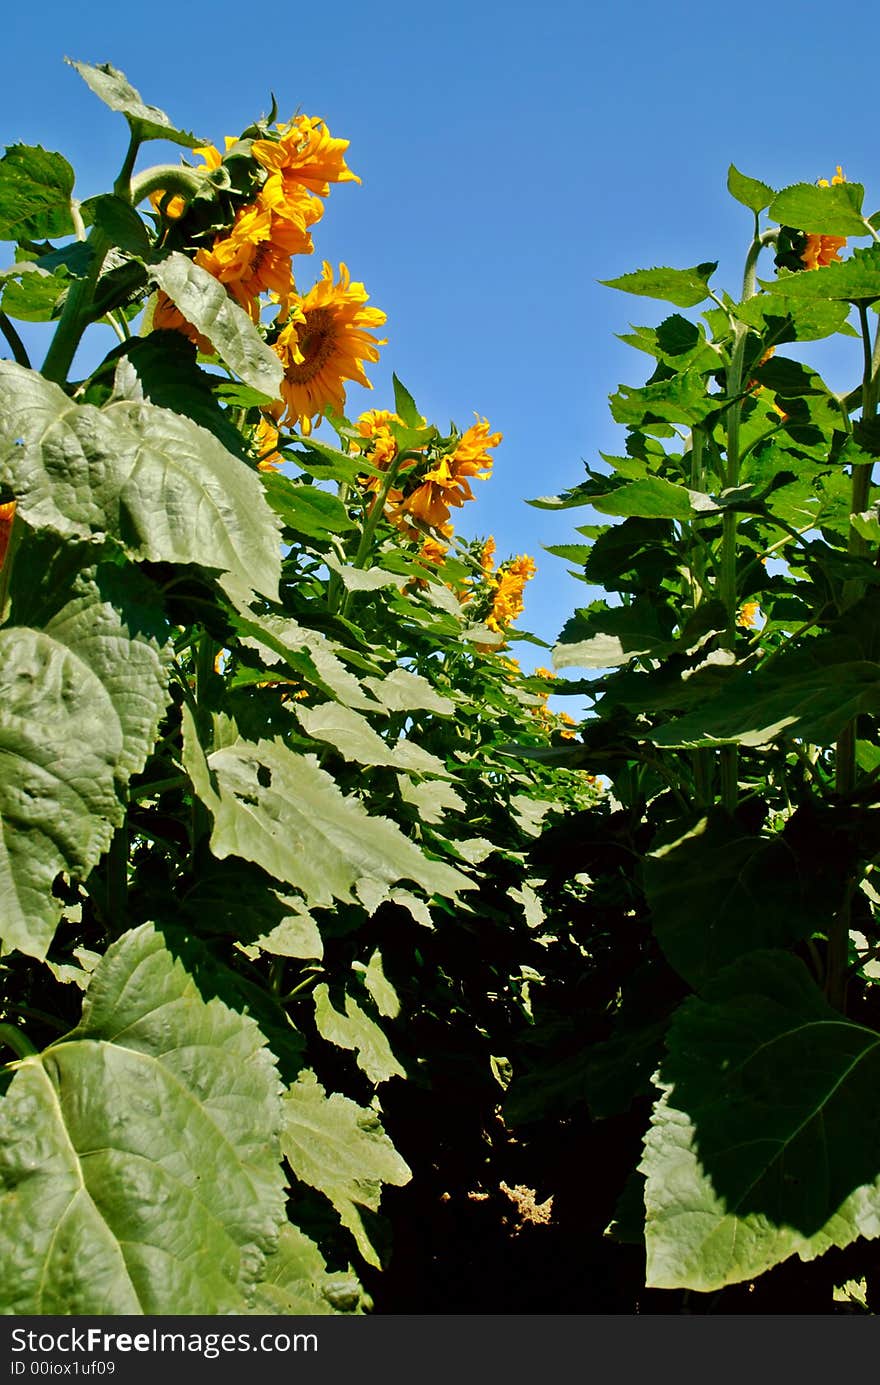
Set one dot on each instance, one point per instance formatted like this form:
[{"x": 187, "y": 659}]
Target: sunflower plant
[
  {"x": 266, "y": 881},
  {"x": 728, "y": 1052}
]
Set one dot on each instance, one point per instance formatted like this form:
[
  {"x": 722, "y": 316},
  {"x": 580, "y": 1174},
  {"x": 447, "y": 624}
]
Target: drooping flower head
[
  {"x": 374, "y": 427},
  {"x": 325, "y": 341},
  {"x": 509, "y": 582},
  {"x": 305, "y": 156},
  {"x": 265, "y": 445},
  {"x": 254, "y": 257},
  {"x": 448, "y": 481},
  {"x": 821, "y": 251}
]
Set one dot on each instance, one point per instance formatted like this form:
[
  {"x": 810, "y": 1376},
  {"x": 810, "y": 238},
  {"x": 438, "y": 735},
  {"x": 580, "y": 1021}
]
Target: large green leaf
[
  {"x": 163, "y": 487},
  {"x": 718, "y": 892},
  {"x": 831, "y": 211},
  {"x": 310, "y": 654},
  {"x": 297, "y": 1283},
  {"x": 115, "y": 90},
  {"x": 653, "y": 498},
  {"x": 765, "y": 1143},
  {"x": 683, "y": 287},
  {"x": 856, "y": 277},
  {"x": 205, "y": 303},
  {"x": 811, "y": 694},
  {"x": 680, "y": 399},
  {"x": 35, "y": 191},
  {"x": 285, "y": 813},
  {"x": 308, "y": 510},
  {"x": 139, "y": 1156},
  {"x": 612, "y": 636},
  {"x": 340, "y": 1148},
  {"x": 80, "y": 704}
]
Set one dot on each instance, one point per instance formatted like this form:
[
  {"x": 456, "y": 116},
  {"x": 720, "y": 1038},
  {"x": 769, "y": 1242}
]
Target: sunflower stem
[
  {"x": 19, "y": 1043},
  {"x": 845, "y": 768}
]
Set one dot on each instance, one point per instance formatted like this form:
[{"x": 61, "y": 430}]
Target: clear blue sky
[{"x": 512, "y": 155}]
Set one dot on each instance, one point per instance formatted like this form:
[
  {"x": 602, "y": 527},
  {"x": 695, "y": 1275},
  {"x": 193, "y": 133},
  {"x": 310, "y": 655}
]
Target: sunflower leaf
[
  {"x": 683, "y": 287},
  {"x": 205, "y": 304},
  {"x": 749, "y": 191},
  {"x": 140, "y": 1167},
  {"x": 114, "y": 89},
  {"x": 35, "y": 191}
]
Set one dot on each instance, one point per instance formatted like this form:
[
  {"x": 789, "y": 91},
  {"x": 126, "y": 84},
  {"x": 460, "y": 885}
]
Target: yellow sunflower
[
  {"x": 265, "y": 444},
  {"x": 254, "y": 257},
  {"x": 507, "y": 601},
  {"x": 448, "y": 481},
  {"x": 305, "y": 156},
  {"x": 325, "y": 342}
]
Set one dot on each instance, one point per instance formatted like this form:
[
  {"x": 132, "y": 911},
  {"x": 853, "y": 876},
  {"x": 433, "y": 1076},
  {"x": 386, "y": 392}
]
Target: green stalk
[
  {"x": 845, "y": 772},
  {"x": 376, "y": 511},
  {"x": 170, "y": 178},
  {"x": 76, "y": 316},
  {"x": 727, "y": 588},
  {"x": 122, "y": 186},
  {"x": 16, "y": 344},
  {"x": 18, "y": 1042}
]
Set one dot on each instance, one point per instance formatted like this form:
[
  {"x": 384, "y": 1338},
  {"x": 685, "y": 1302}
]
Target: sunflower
[
  {"x": 375, "y": 427},
  {"x": 507, "y": 601},
  {"x": 305, "y": 156},
  {"x": 265, "y": 444},
  {"x": 254, "y": 257},
  {"x": 324, "y": 342},
  {"x": 821, "y": 251},
  {"x": 448, "y": 481}
]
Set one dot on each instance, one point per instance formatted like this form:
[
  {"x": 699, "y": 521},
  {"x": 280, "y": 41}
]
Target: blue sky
[{"x": 511, "y": 155}]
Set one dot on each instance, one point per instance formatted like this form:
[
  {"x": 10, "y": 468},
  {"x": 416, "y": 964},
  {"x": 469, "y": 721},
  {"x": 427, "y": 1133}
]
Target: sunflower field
[{"x": 339, "y": 972}]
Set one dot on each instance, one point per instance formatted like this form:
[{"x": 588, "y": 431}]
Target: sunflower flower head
[
  {"x": 747, "y": 616},
  {"x": 447, "y": 483},
  {"x": 304, "y": 156},
  {"x": 509, "y": 583},
  {"x": 265, "y": 445},
  {"x": 254, "y": 256},
  {"x": 821, "y": 251},
  {"x": 487, "y": 555},
  {"x": 325, "y": 341},
  {"x": 838, "y": 178},
  {"x": 375, "y": 427}
]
